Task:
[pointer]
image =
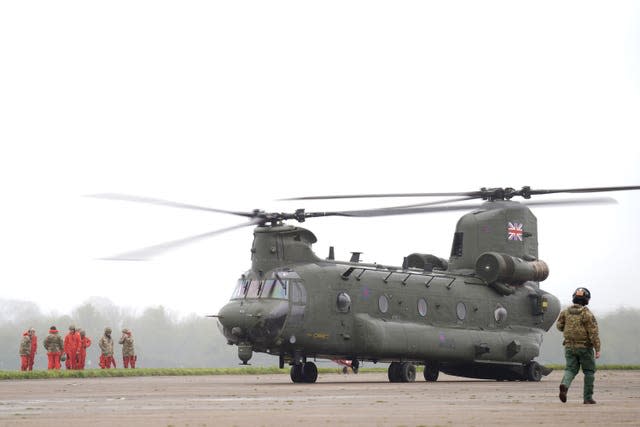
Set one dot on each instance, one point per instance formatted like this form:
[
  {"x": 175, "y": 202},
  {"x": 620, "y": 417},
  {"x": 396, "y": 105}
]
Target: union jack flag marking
[{"x": 514, "y": 231}]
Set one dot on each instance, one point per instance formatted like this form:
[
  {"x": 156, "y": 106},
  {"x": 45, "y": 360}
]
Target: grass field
[{"x": 249, "y": 370}]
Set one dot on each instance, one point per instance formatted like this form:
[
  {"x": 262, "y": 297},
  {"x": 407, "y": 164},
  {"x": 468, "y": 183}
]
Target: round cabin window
[
  {"x": 343, "y": 302},
  {"x": 461, "y": 311},
  {"x": 422, "y": 307},
  {"x": 383, "y": 303},
  {"x": 500, "y": 314}
]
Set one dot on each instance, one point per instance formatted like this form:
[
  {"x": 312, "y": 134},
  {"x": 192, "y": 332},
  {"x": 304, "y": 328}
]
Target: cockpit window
[
  {"x": 272, "y": 288},
  {"x": 241, "y": 289},
  {"x": 254, "y": 289},
  {"x": 276, "y": 288}
]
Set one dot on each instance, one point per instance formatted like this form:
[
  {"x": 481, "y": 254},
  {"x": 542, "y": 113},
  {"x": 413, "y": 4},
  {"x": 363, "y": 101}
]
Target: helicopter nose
[{"x": 253, "y": 321}]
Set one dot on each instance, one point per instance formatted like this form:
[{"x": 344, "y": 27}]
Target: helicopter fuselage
[{"x": 297, "y": 306}]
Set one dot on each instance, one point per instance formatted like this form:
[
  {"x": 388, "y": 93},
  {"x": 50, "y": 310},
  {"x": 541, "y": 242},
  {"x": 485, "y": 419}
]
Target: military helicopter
[{"x": 479, "y": 314}]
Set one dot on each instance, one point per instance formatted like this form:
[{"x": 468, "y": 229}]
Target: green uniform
[
  {"x": 581, "y": 338},
  {"x": 127, "y": 346},
  {"x": 25, "y": 345},
  {"x": 53, "y": 343},
  {"x": 106, "y": 345}
]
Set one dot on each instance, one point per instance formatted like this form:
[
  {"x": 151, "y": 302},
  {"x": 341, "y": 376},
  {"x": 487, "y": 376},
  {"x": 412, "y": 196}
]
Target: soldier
[
  {"x": 581, "y": 338},
  {"x": 85, "y": 342},
  {"x": 54, "y": 345},
  {"x": 25, "y": 351},
  {"x": 72, "y": 347},
  {"x": 34, "y": 348},
  {"x": 128, "y": 354},
  {"x": 106, "y": 350}
]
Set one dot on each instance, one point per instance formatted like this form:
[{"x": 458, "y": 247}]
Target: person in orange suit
[
  {"x": 72, "y": 348},
  {"x": 34, "y": 348},
  {"x": 85, "y": 342}
]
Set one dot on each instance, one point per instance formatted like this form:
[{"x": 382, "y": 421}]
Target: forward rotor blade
[
  {"x": 469, "y": 194},
  {"x": 161, "y": 202},
  {"x": 152, "y": 251}
]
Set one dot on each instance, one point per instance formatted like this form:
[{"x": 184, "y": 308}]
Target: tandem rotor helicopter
[{"x": 479, "y": 314}]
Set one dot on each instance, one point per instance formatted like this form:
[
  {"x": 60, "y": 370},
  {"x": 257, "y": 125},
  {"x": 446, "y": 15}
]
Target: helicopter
[{"x": 481, "y": 313}]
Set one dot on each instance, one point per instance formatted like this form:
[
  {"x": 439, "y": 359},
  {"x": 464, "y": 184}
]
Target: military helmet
[
  {"x": 581, "y": 296},
  {"x": 107, "y": 330}
]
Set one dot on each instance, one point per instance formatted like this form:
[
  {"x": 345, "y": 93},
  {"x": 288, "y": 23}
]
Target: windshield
[{"x": 272, "y": 288}]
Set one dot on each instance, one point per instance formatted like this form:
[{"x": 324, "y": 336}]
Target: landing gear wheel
[
  {"x": 407, "y": 372},
  {"x": 296, "y": 373},
  {"x": 355, "y": 365},
  {"x": 431, "y": 372},
  {"x": 394, "y": 372},
  {"x": 533, "y": 371},
  {"x": 309, "y": 372}
]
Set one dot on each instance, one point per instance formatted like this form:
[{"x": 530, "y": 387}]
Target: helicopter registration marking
[{"x": 318, "y": 336}]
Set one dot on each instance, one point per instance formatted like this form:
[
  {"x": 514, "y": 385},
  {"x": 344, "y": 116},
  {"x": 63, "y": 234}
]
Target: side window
[
  {"x": 298, "y": 293},
  {"x": 422, "y": 307},
  {"x": 343, "y": 302},
  {"x": 383, "y": 303},
  {"x": 461, "y": 311}
]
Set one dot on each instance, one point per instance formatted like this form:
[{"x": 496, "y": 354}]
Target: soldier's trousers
[
  {"x": 24, "y": 363},
  {"x": 576, "y": 358},
  {"x": 54, "y": 360},
  {"x": 129, "y": 361}
]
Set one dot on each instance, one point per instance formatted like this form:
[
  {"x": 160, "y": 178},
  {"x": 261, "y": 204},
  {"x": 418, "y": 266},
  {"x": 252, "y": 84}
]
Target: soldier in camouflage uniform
[
  {"x": 106, "y": 350},
  {"x": 25, "y": 351},
  {"x": 54, "y": 345},
  {"x": 128, "y": 353},
  {"x": 580, "y": 330}
]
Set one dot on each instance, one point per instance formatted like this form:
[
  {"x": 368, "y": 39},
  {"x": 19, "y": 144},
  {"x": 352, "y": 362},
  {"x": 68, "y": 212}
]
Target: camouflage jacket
[
  {"x": 579, "y": 327},
  {"x": 25, "y": 345},
  {"x": 106, "y": 345},
  {"x": 127, "y": 345},
  {"x": 53, "y": 343}
]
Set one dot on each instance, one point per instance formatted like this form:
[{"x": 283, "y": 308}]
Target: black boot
[{"x": 563, "y": 393}]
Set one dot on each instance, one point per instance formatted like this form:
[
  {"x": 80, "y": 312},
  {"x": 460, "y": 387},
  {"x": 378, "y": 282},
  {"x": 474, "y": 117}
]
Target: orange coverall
[{"x": 72, "y": 348}]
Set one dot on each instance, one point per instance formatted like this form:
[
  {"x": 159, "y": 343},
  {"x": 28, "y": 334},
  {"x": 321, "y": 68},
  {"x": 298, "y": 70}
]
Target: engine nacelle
[{"x": 496, "y": 267}]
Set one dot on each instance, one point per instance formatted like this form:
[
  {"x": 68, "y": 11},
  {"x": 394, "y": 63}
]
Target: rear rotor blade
[
  {"x": 161, "y": 202},
  {"x": 152, "y": 251},
  {"x": 586, "y": 190},
  {"x": 463, "y": 207}
]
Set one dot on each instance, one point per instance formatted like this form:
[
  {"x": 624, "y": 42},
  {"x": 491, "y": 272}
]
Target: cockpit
[{"x": 270, "y": 288}]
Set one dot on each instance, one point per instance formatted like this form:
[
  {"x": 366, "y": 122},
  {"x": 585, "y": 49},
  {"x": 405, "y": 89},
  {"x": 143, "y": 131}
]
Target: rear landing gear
[
  {"x": 533, "y": 371},
  {"x": 304, "y": 372},
  {"x": 402, "y": 372},
  {"x": 431, "y": 372}
]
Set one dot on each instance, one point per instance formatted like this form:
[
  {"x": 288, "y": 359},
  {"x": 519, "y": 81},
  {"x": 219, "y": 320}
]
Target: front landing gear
[{"x": 306, "y": 372}]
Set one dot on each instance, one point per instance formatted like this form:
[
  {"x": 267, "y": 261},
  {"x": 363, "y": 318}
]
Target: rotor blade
[
  {"x": 161, "y": 202},
  {"x": 464, "y": 207},
  {"x": 151, "y": 251},
  {"x": 439, "y": 202},
  {"x": 573, "y": 202},
  {"x": 586, "y": 190},
  {"x": 470, "y": 194}
]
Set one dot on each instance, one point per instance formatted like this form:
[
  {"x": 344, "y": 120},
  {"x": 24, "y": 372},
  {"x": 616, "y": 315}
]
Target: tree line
[{"x": 163, "y": 339}]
